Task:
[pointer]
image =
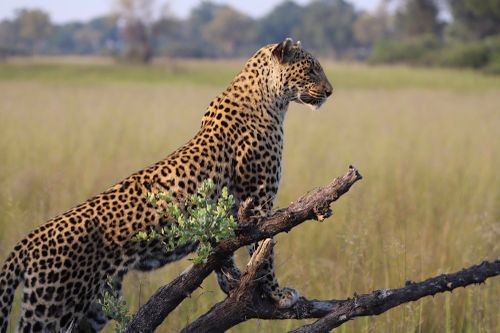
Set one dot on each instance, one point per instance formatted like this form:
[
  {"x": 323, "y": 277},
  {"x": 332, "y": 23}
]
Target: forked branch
[{"x": 315, "y": 205}]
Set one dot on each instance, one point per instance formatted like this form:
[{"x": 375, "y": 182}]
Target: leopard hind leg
[{"x": 95, "y": 318}]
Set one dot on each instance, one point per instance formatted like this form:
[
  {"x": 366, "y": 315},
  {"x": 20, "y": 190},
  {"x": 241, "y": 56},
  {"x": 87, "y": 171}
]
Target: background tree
[
  {"x": 62, "y": 39},
  {"x": 327, "y": 25},
  {"x": 229, "y": 30},
  {"x": 372, "y": 27},
  {"x": 97, "y": 36},
  {"x": 170, "y": 35},
  {"x": 473, "y": 19},
  {"x": 200, "y": 17},
  {"x": 135, "y": 23},
  {"x": 418, "y": 17},
  {"x": 399, "y": 31},
  {"x": 282, "y": 22},
  {"x": 107, "y": 29},
  {"x": 34, "y": 27},
  {"x": 9, "y": 32}
]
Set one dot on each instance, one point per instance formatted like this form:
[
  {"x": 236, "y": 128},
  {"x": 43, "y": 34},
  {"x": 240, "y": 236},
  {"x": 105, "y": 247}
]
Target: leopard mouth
[{"x": 313, "y": 102}]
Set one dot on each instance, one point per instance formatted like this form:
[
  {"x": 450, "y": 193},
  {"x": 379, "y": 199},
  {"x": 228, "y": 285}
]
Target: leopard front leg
[{"x": 283, "y": 297}]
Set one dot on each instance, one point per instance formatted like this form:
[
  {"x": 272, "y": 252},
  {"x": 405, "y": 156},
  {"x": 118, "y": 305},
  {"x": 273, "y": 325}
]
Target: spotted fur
[{"x": 63, "y": 264}]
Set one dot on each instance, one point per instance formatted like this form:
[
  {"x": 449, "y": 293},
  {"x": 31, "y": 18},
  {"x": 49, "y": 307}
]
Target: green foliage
[
  {"x": 328, "y": 26},
  {"x": 202, "y": 220},
  {"x": 475, "y": 19},
  {"x": 493, "y": 66},
  {"x": 480, "y": 55},
  {"x": 418, "y": 17},
  {"x": 472, "y": 55},
  {"x": 411, "y": 50},
  {"x": 493, "y": 43},
  {"x": 211, "y": 30},
  {"x": 229, "y": 30},
  {"x": 115, "y": 307},
  {"x": 280, "y": 23},
  {"x": 34, "y": 25},
  {"x": 370, "y": 28},
  {"x": 26, "y": 33},
  {"x": 428, "y": 50}
]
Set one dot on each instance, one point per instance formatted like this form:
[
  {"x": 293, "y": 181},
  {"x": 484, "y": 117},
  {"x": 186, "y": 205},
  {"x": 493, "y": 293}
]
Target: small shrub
[
  {"x": 202, "y": 220},
  {"x": 413, "y": 51},
  {"x": 471, "y": 55},
  {"x": 115, "y": 307},
  {"x": 493, "y": 43},
  {"x": 493, "y": 66}
]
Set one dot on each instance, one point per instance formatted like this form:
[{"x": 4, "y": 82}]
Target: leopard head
[{"x": 300, "y": 74}]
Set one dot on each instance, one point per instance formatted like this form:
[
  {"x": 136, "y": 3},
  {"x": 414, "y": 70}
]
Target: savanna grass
[{"x": 426, "y": 141}]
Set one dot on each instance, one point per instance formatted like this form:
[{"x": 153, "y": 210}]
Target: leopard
[{"x": 65, "y": 264}]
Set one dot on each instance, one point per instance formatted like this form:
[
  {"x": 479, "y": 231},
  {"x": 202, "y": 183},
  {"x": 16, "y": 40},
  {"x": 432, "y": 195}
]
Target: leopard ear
[{"x": 283, "y": 51}]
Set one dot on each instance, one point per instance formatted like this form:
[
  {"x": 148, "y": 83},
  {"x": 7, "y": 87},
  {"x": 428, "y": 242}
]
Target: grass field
[{"x": 426, "y": 141}]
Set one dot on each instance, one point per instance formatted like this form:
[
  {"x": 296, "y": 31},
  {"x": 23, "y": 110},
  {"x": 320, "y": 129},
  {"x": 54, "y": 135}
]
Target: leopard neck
[{"x": 253, "y": 98}]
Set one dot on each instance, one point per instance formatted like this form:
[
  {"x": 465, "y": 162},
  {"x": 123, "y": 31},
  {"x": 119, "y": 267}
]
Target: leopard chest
[{"x": 258, "y": 164}]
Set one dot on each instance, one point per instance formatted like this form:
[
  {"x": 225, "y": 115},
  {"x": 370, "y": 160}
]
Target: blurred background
[
  {"x": 452, "y": 33},
  {"x": 93, "y": 91}
]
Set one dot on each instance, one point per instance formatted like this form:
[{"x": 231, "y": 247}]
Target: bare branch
[
  {"x": 255, "y": 263},
  {"x": 246, "y": 303},
  {"x": 232, "y": 310},
  {"x": 315, "y": 205},
  {"x": 382, "y": 300}
]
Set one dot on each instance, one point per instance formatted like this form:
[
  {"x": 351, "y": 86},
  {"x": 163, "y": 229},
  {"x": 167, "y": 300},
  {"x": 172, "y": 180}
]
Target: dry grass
[{"x": 429, "y": 202}]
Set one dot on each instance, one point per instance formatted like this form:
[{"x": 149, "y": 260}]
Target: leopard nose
[
  {"x": 328, "y": 89},
  {"x": 328, "y": 92}
]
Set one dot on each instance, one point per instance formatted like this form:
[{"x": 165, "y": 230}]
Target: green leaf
[{"x": 200, "y": 219}]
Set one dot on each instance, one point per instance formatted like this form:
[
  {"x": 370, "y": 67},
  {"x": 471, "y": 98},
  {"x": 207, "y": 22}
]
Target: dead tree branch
[
  {"x": 246, "y": 303},
  {"x": 315, "y": 205},
  {"x": 228, "y": 313},
  {"x": 382, "y": 300},
  {"x": 246, "y": 300}
]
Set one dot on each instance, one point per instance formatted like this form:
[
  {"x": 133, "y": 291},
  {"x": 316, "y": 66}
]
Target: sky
[{"x": 66, "y": 10}]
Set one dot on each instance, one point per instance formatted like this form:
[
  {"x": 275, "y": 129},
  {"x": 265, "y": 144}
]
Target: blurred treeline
[{"x": 456, "y": 33}]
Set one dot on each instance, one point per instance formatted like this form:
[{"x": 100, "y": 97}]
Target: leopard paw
[{"x": 285, "y": 297}]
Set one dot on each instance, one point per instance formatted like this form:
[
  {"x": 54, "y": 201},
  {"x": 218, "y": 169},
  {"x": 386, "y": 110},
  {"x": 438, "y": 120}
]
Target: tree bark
[
  {"x": 245, "y": 303},
  {"x": 379, "y": 301},
  {"x": 230, "y": 312}
]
